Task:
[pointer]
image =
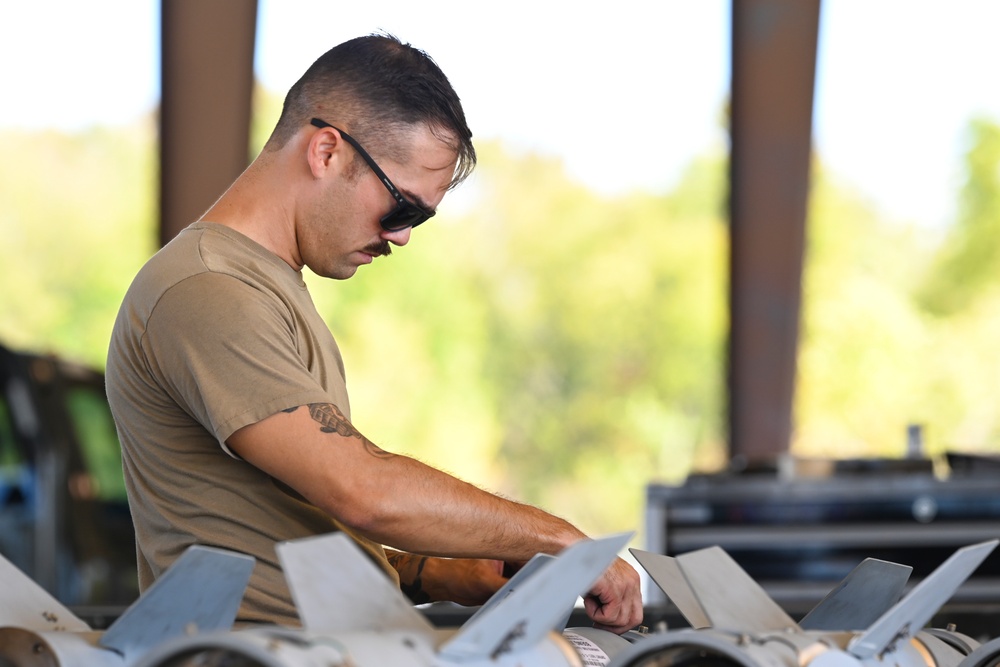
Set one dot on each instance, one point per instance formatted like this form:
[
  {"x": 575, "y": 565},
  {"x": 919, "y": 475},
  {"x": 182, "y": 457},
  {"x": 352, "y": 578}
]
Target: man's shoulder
[
  {"x": 210, "y": 258},
  {"x": 177, "y": 260}
]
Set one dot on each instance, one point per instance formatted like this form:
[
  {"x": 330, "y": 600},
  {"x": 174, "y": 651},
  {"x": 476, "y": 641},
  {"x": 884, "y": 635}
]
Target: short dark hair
[{"x": 378, "y": 87}]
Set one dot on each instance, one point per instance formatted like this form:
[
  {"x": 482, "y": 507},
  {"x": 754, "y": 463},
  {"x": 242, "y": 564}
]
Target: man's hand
[{"x": 615, "y": 601}]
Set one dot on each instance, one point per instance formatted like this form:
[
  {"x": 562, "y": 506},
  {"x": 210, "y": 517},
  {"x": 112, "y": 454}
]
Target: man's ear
[{"x": 327, "y": 151}]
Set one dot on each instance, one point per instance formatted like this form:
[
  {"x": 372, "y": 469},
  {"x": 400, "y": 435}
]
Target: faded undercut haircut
[{"x": 379, "y": 88}]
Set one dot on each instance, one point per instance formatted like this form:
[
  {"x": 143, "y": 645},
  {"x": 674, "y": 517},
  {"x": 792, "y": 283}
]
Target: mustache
[{"x": 379, "y": 249}]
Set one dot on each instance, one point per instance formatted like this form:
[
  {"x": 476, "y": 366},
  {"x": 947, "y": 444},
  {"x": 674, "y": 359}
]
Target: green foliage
[
  {"x": 266, "y": 109},
  {"x": 967, "y": 264},
  {"x": 862, "y": 336},
  {"x": 888, "y": 342},
  {"x": 77, "y": 220}
]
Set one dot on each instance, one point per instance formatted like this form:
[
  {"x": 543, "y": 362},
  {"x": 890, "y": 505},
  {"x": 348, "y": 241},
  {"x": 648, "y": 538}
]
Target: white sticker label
[{"x": 590, "y": 653}]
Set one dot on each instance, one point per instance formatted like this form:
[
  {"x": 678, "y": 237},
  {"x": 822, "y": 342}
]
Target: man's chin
[{"x": 337, "y": 273}]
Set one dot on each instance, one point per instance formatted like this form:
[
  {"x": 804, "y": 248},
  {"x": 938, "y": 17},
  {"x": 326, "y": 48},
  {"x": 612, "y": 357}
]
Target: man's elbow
[{"x": 366, "y": 509}]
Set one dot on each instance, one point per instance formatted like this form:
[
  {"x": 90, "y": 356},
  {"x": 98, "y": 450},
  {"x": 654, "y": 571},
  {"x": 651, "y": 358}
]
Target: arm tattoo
[{"x": 332, "y": 420}]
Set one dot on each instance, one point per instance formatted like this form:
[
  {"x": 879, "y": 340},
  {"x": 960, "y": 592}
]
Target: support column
[
  {"x": 773, "y": 71},
  {"x": 207, "y": 85}
]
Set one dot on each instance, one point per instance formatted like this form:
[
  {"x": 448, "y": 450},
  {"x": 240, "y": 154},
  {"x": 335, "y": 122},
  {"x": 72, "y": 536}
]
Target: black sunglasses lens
[{"x": 402, "y": 217}]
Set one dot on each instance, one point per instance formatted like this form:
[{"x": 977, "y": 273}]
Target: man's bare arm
[
  {"x": 392, "y": 499},
  {"x": 403, "y": 503}
]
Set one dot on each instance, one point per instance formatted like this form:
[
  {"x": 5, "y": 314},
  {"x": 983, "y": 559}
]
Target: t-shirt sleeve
[{"x": 226, "y": 352}]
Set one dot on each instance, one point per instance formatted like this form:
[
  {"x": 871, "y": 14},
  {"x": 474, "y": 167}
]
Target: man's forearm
[
  {"x": 414, "y": 507},
  {"x": 392, "y": 499},
  {"x": 417, "y": 508}
]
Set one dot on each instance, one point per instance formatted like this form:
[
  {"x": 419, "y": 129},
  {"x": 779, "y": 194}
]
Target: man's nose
[{"x": 398, "y": 237}]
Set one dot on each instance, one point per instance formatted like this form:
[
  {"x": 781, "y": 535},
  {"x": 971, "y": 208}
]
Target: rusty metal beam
[
  {"x": 773, "y": 71},
  {"x": 207, "y": 83}
]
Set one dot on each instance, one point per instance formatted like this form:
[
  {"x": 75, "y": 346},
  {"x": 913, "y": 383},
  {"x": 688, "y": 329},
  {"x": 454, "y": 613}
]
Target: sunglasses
[{"x": 406, "y": 214}]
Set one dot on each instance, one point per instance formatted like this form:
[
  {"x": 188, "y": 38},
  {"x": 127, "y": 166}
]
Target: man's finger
[{"x": 608, "y": 616}]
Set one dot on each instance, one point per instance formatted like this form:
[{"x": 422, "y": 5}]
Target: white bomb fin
[
  {"x": 515, "y": 582},
  {"x": 337, "y": 588},
  {"x": 201, "y": 592},
  {"x": 27, "y": 605},
  {"x": 866, "y": 593},
  {"x": 911, "y": 614},
  {"x": 666, "y": 573},
  {"x": 524, "y": 619},
  {"x": 712, "y": 590}
]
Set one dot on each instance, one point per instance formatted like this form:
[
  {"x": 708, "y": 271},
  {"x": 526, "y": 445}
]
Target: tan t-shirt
[{"x": 214, "y": 334}]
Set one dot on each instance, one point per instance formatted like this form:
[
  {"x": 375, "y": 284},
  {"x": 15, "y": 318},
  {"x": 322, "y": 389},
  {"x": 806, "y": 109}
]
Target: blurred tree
[
  {"x": 961, "y": 293},
  {"x": 966, "y": 264},
  {"x": 859, "y": 375},
  {"x": 77, "y": 221},
  {"x": 887, "y": 342}
]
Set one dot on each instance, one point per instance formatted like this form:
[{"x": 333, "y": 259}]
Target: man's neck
[{"x": 255, "y": 207}]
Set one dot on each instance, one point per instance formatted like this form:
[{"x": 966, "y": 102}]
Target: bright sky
[{"x": 626, "y": 95}]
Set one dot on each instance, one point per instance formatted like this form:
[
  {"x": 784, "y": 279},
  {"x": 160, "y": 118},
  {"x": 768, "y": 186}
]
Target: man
[{"x": 228, "y": 390}]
